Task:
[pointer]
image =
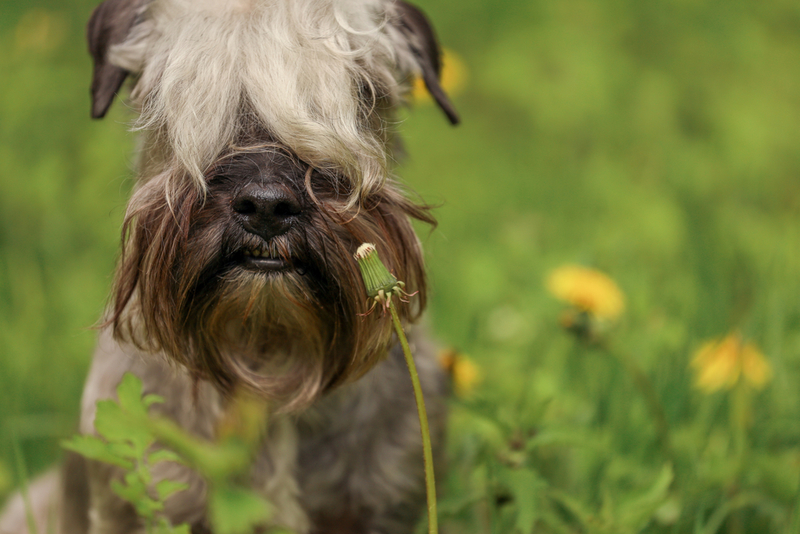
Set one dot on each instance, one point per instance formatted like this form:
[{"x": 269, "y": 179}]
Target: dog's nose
[{"x": 266, "y": 210}]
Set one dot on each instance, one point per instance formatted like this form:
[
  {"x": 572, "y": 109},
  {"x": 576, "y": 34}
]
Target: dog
[{"x": 267, "y": 147}]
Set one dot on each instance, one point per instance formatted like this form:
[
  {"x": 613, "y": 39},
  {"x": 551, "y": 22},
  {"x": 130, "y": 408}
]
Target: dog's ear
[
  {"x": 423, "y": 44},
  {"x": 109, "y": 25}
]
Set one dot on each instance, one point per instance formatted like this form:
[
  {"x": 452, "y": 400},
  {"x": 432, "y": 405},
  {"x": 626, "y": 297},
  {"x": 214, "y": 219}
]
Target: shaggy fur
[
  {"x": 181, "y": 291},
  {"x": 265, "y": 162},
  {"x": 324, "y": 76}
]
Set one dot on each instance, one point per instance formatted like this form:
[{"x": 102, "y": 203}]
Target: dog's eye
[
  {"x": 329, "y": 186},
  {"x": 219, "y": 180}
]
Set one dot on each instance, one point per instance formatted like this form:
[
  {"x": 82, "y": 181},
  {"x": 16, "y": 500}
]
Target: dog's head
[{"x": 266, "y": 160}]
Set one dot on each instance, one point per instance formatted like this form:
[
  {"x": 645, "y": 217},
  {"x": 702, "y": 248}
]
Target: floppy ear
[
  {"x": 109, "y": 25},
  {"x": 423, "y": 44}
]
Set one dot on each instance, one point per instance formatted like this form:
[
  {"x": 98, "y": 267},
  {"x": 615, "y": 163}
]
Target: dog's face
[
  {"x": 265, "y": 164},
  {"x": 253, "y": 282}
]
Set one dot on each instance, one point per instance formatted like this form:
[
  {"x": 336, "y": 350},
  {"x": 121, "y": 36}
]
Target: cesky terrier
[{"x": 266, "y": 151}]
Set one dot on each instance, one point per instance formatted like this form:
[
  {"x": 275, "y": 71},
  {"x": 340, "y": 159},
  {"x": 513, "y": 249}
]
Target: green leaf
[
  {"x": 163, "y": 526},
  {"x": 525, "y": 484},
  {"x": 637, "y": 511},
  {"x": 96, "y": 449},
  {"x": 151, "y": 399},
  {"x": 132, "y": 490},
  {"x": 237, "y": 510},
  {"x": 575, "y": 507},
  {"x": 135, "y": 492},
  {"x": 129, "y": 393},
  {"x": 124, "y": 450},
  {"x": 167, "y": 488},
  {"x": 118, "y": 426},
  {"x": 163, "y": 455},
  {"x": 183, "y": 528},
  {"x": 109, "y": 420}
]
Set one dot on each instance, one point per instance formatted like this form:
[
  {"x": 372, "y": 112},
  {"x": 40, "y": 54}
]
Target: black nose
[{"x": 267, "y": 210}]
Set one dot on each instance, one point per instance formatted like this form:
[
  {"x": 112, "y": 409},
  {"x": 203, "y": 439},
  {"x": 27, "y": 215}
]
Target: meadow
[{"x": 654, "y": 142}]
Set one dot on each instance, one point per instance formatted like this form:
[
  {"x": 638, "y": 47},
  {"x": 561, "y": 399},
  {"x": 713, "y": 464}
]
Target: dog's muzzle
[{"x": 267, "y": 210}]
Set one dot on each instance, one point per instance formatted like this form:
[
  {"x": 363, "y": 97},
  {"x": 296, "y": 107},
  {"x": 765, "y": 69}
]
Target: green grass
[{"x": 656, "y": 141}]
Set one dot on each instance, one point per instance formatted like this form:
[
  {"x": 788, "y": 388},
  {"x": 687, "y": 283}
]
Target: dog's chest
[
  {"x": 359, "y": 451},
  {"x": 355, "y": 453}
]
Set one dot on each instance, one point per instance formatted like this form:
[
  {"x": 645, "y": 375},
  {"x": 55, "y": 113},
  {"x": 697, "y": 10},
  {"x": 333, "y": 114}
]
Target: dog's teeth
[
  {"x": 265, "y": 254},
  {"x": 247, "y": 253}
]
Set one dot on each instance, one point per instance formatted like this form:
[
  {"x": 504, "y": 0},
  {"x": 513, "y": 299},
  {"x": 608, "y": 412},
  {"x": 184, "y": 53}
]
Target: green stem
[
  {"x": 736, "y": 503},
  {"x": 739, "y": 402},
  {"x": 654, "y": 406},
  {"x": 430, "y": 483},
  {"x": 794, "y": 518},
  {"x": 215, "y": 461}
]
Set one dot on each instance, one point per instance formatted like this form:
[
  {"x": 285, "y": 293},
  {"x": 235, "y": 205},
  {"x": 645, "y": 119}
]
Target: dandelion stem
[
  {"x": 739, "y": 403},
  {"x": 430, "y": 483},
  {"x": 381, "y": 285}
]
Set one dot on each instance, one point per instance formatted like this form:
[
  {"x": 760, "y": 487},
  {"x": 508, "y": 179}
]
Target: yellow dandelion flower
[
  {"x": 447, "y": 358},
  {"x": 453, "y": 78},
  {"x": 720, "y": 364},
  {"x": 755, "y": 367},
  {"x": 588, "y": 290},
  {"x": 464, "y": 373},
  {"x": 39, "y": 31}
]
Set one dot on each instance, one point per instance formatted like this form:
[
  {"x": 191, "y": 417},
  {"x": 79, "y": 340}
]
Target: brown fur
[{"x": 176, "y": 291}]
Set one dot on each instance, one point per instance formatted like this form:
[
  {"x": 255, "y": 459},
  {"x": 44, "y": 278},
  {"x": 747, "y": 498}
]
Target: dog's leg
[
  {"x": 58, "y": 499},
  {"x": 44, "y": 504},
  {"x": 74, "y": 518}
]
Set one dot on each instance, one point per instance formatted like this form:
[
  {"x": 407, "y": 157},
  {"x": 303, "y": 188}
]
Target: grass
[{"x": 653, "y": 141}]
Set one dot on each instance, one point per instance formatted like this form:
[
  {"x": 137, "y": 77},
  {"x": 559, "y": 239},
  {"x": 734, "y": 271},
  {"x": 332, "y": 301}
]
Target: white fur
[{"x": 294, "y": 67}]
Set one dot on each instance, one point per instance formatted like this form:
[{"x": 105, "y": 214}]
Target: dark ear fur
[
  {"x": 425, "y": 47},
  {"x": 109, "y": 25}
]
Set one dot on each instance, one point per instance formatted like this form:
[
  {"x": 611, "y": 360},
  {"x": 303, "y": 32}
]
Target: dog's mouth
[{"x": 263, "y": 260}]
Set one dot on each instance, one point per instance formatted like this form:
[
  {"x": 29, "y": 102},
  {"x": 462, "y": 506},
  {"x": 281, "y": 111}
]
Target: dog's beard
[{"x": 187, "y": 287}]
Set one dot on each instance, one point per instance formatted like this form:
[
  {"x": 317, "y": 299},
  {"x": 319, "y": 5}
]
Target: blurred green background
[{"x": 655, "y": 141}]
